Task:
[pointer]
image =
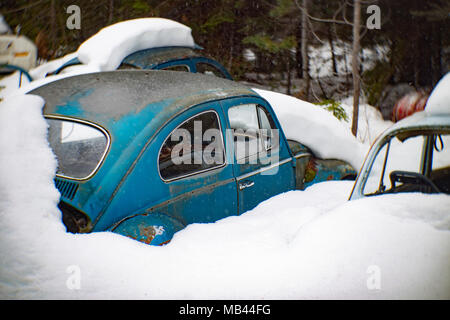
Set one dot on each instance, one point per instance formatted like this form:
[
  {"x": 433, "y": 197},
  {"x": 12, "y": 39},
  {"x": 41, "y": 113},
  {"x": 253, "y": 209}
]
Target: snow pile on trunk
[
  {"x": 112, "y": 44},
  {"x": 301, "y": 244},
  {"x": 316, "y": 128}
]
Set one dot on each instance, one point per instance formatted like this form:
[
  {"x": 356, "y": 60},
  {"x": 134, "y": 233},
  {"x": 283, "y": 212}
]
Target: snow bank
[
  {"x": 316, "y": 128},
  {"x": 439, "y": 100},
  {"x": 112, "y": 44},
  {"x": 301, "y": 244}
]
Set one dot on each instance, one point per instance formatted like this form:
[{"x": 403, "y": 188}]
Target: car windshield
[
  {"x": 78, "y": 147},
  {"x": 411, "y": 163}
]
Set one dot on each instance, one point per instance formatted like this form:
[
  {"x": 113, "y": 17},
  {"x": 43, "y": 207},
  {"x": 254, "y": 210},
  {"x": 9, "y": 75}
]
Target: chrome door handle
[{"x": 245, "y": 184}]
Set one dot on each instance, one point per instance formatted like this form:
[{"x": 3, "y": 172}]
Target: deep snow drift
[{"x": 301, "y": 244}]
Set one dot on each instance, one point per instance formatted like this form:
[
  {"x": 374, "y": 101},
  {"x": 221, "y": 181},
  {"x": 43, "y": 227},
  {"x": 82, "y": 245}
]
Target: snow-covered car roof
[{"x": 106, "y": 49}]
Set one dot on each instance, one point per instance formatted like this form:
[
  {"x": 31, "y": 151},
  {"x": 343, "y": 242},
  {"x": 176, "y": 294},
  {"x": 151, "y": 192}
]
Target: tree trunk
[
  {"x": 53, "y": 28},
  {"x": 333, "y": 55},
  {"x": 436, "y": 62},
  {"x": 289, "y": 79},
  {"x": 305, "y": 56},
  {"x": 111, "y": 11},
  {"x": 355, "y": 64},
  {"x": 298, "y": 51}
]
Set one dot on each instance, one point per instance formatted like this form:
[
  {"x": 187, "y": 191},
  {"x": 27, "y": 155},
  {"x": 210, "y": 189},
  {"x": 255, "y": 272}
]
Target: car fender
[
  {"x": 152, "y": 228},
  {"x": 319, "y": 170}
]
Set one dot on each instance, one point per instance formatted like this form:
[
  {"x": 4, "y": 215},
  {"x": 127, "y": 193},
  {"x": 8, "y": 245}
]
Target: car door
[
  {"x": 199, "y": 183},
  {"x": 262, "y": 162}
]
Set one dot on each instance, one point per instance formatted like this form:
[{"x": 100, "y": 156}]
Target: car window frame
[
  {"x": 94, "y": 125},
  {"x": 171, "y": 67},
  {"x": 258, "y": 106},
  {"x": 207, "y": 63},
  {"x": 225, "y": 162},
  {"x": 362, "y": 179}
]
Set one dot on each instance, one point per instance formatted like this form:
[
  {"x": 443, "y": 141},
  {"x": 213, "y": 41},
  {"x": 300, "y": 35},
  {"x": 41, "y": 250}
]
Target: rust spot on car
[
  {"x": 147, "y": 234},
  {"x": 164, "y": 243}
]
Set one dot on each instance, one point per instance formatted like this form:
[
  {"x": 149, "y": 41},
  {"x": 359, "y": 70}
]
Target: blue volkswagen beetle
[
  {"x": 167, "y": 58},
  {"x": 145, "y": 153}
]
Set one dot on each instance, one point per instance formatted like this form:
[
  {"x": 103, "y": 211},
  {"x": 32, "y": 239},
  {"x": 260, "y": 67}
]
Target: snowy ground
[{"x": 310, "y": 244}]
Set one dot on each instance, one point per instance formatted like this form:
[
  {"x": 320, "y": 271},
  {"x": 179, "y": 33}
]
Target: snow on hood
[
  {"x": 439, "y": 100},
  {"x": 107, "y": 48},
  {"x": 310, "y": 244},
  {"x": 316, "y": 128}
]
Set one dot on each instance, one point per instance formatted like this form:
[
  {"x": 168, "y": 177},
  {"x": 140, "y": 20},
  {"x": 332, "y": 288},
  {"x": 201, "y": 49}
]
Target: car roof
[
  {"x": 106, "y": 97},
  {"x": 148, "y": 58},
  {"x": 421, "y": 120}
]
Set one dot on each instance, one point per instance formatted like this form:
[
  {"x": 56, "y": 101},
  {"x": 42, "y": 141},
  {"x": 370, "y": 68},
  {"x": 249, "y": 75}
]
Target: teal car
[
  {"x": 167, "y": 58},
  {"x": 145, "y": 153}
]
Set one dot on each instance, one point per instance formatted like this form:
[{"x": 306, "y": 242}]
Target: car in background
[
  {"x": 166, "y": 58},
  {"x": 409, "y": 104},
  {"x": 142, "y": 154},
  {"x": 144, "y": 43},
  {"x": 413, "y": 155}
]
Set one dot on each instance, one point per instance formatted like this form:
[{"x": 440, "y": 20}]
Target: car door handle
[{"x": 245, "y": 184}]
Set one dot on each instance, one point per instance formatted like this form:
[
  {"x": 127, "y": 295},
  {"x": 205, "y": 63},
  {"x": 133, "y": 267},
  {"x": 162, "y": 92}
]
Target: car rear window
[{"x": 79, "y": 147}]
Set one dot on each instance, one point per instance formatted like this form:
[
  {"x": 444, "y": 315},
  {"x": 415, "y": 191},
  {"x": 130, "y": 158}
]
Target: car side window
[
  {"x": 207, "y": 68},
  {"x": 252, "y": 128},
  {"x": 266, "y": 127},
  {"x": 183, "y": 68},
  {"x": 193, "y": 147},
  {"x": 395, "y": 155}
]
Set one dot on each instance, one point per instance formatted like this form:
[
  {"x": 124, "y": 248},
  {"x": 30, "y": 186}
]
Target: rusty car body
[{"x": 112, "y": 131}]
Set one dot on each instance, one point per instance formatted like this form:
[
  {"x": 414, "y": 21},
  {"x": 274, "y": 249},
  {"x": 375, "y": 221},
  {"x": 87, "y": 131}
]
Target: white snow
[
  {"x": 51, "y": 66},
  {"x": 370, "y": 121},
  {"x": 321, "y": 64},
  {"x": 316, "y": 128},
  {"x": 112, "y": 44},
  {"x": 4, "y": 27},
  {"x": 10, "y": 83},
  {"x": 301, "y": 244},
  {"x": 439, "y": 100},
  {"x": 105, "y": 50}
]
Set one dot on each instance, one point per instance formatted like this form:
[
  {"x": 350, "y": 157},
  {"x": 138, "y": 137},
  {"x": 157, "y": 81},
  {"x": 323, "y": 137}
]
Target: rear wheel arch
[{"x": 149, "y": 228}]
